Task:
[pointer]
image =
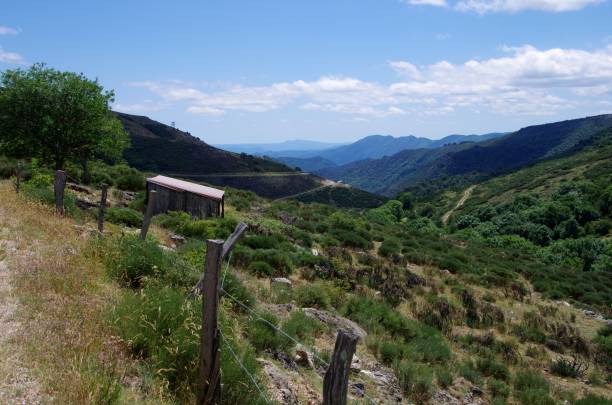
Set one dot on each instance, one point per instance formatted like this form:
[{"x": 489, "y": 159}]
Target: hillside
[
  {"x": 306, "y": 164},
  {"x": 157, "y": 147},
  {"x": 392, "y": 174},
  {"x": 441, "y": 317},
  {"x": 378, "y": 146}
]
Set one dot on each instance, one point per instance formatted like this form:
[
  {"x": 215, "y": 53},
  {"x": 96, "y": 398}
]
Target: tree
[{"x": 57, "y": 117}]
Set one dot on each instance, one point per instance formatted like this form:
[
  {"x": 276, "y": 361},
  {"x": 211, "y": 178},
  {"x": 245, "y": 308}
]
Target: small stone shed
[{"x": 178, "y": 195}]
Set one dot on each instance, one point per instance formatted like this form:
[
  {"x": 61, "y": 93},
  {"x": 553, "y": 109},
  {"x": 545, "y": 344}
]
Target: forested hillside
[{"x": 392, "y": 174}]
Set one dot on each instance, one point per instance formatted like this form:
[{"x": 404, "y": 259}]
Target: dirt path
[
  {"x": 466, "y": 194},
  {"x": 16, "y": 383}
]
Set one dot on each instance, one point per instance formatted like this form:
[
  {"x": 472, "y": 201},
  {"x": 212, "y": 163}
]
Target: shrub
[
  {"x": 234, "y": 287},
  {"x": 263, "y": 335},
  {"x": 261, "y": 269},
  {"x": 312, "y": 295},
  {"x": 489, "y": 367},
  {"x": 161, "y": 325},
  {"x": 131, "y": 180},
  {"x": 302, "y": 327},
  {"x": 124, "y": 216},
  {"x": 415, "y": 380},
  {"x": 531, "y": 388},
  {"x": 444, "y": 377},
  {"x": 389, "y": 248},
  {"x": 469, "y": 372},
  {"x": 131, "y": 260},
  {"x": 498, "y": 389},
  {"x": 573, "y": 368}
]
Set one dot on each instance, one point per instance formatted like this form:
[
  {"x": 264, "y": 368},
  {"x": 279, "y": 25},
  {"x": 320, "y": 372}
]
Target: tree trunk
[
  {"x": 86, "y": 175},
  {"x": 58, "y": 187}
]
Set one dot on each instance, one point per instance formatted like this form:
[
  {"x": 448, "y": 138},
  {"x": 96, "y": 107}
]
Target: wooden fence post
[
  {"x": 209, "y": 377},
  {"x": 58, "y": 186},
  {"x": 18, "y": 177},
  {"x": 148, "y": 215},
  {"x": 102, "y": 207},
  {"x": 335, "y": 383},
  {"x": 209, "y": 381}
]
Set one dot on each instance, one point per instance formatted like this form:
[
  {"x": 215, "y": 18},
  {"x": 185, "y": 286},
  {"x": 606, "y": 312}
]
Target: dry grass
[{"x": 63, "y": 294}]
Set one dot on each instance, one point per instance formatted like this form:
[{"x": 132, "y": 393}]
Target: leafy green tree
[{"x": 57, "y": 117}]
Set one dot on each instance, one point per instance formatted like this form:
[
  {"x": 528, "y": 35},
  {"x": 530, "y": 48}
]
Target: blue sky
[{"x": 335, "y": 70}]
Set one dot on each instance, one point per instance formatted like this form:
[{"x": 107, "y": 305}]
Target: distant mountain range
[
  {"x": 271, "y": 149},
  {"x": 391, "y": 174},
  {"x": 312, "y": 156}
]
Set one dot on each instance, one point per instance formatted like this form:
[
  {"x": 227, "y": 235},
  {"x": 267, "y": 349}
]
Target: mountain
[
  {"x": 274, "y": 148},
  {"x": 161, "y": 148},
  {"x": 378, "y": 146},
  {"x": 391, "y": 174},
  {"x": 306, "y": 164}
]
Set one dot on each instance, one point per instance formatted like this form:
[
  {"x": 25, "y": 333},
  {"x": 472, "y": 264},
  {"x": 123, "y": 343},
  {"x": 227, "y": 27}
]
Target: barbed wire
[
  {"x": 254, "y": 313},
  {"x": 244, "y": 368}
]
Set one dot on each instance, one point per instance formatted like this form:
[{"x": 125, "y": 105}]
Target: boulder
[
  {"x": 304, "y": 358},
  {"x": 280, "y": 386},
  {"x": 336, "y": 322},
  {"x": 281, "y": 282}
]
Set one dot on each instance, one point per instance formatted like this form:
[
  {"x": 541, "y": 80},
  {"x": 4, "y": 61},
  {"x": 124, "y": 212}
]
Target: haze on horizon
[{"x": 266, "y": 72}]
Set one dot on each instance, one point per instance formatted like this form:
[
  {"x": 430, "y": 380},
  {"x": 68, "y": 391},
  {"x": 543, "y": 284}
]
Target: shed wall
[{"x": 167, "y": 199}]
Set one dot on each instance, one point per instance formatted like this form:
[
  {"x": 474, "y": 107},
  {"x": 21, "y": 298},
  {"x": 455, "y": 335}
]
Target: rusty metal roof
[{"x": 182, "y": 185}]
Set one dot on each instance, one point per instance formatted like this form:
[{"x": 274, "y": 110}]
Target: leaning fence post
[
  {"x": 18, "y": 177},
  {"x": 148, "y": 215},
  {"x": 102, "y": 207},
  {"x": 209, "y": 381},
  {"x": 335, "y": 383},
  {"x": 58, "y": 186}
]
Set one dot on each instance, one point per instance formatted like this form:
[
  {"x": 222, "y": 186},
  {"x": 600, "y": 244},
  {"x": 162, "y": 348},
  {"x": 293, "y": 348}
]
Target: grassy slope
[{"x": 74, "y": 293}]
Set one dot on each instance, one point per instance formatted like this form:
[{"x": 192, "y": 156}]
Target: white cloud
[
  {"x": 511, "y": 6},
  {"x": 437, "y": 3},
  {"x": 523, "y": 80},
  {"x": 11, "y": 57},
  {"x": 8, "y": 30}
]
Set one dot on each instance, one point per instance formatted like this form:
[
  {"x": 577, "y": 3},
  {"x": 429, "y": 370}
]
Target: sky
[{"x": 249, "y": 71}]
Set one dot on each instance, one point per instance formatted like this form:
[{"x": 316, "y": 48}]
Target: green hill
[
  {"x": 393, "y": 174},
  {"x": 157, "y": 147}
]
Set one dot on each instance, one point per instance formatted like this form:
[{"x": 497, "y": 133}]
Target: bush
[
  {"x": 161, "y": 325},
  {"x": 312, "y": 295},
  {"x": 415, "y": 380},
  {"x": 498, "y": 389},
  {"x": 124, "y": 216},
  {"x": 264, "y": 336},
  {"x": 131, "y": 180},
  {"x": 568, "y": 368},
  {"x": 261, "y": 269},
  {"x": 531, "y": 388},
  {"x": 489, "y": 367},
  {"x": 444, "y": 377},
  {"x": 131, "y": 260},
  {"x": 302, "y": 327},
  {"x": 389, "y": 248}
]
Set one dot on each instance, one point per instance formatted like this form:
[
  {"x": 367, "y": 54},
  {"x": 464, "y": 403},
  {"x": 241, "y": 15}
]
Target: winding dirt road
[{"x": 466, "y": 194}]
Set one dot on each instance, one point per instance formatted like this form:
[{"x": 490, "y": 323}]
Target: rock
[
  {"x": 304, "y": 358},
  {"x": 85, "y": 204},
  {"x": 286, "y": 218},
  {"x": 314, "y": 252},
  {"x": 446, "y": 273},
  {"x": 166, "y": 248},
  {"x": 287, "y": 362},
  {"x": 358, "y": 389},
  {"x": 336, "y": 321},
  {"x": 281, "y": 281},
  {"x": 356, "y": 364},
  {"x": 128, "y": 195},
  {"x": 78, "y": 188},
  {"x": 280, "y": 387},
  {"x": 444, "y": 397},
  {"x": 177, "y": 238}
]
